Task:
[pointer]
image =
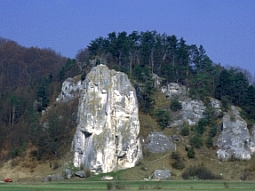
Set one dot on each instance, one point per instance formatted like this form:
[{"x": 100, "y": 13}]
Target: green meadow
[{"x": 130, "y": 185}]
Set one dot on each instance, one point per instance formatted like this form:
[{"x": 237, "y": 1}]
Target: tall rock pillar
[{"x": 106, "y": 137}]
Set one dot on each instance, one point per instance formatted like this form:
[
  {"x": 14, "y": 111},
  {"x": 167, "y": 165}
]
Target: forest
[{"x": 31, "y": 78}]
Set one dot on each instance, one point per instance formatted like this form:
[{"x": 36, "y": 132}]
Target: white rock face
[
  {"x": 70, "y": 89},
  {"x": 161, "y": 174},
  {"x": 157, "y": 142},
  {"x": 235, "y": 140},
  {"x": 106, "y": 138},
  {"x": 174, "y": 89},
  {"x": 192, "y": 110},
  {"x": 252, "y": 146},
  {"x": 216, "y": 105}
]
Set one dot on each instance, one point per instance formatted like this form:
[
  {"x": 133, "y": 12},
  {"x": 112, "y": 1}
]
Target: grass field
[{"x": 130, "y": 185}]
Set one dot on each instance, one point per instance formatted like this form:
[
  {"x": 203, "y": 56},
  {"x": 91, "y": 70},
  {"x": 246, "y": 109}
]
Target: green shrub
[
  {"x": 143, "y": 187},
  {"x": 185, "y": 131},
  {"x": 225, "y": 102},
  {"x": 98, "y": 61},
  {"x": 199, "y": 172},
  {"x": 196, "y": 141},
  {"x": 178, "y": 164},
  {"x": 15, "y": 152},
  {"x": 163, "y": 118},
  {"x": 33, "y": 154},
  {"x": 83, "y": 76},
  {"x": 175, "y": 155},
  {"x": 157, "y": 186},
  {"x": 115, "y": 186},
  {"x": 87, "y": 173},
  {"x": 110, "y": 185},
  {"x": 213, "y": 132},
  {"x": 18, "y": 151},
  {"x": 175, "y": 105},
  {"x": 201, "y": 125},
  {"x": 56, "y": 165},
  {"x": 250, "y": 123},
  {"x": 190, "y": 152},
  {"x": 209, "y": 142}
]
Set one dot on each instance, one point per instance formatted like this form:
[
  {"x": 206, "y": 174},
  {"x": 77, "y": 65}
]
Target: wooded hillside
[
  {"x": 30, "y": 78},
  {"x": 142, "y": 54}
]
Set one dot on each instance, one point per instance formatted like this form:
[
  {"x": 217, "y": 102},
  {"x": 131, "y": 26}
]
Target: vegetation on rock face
[{"x": 175, "y": 105}]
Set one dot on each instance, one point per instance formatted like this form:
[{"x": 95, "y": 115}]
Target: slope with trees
[
  {"x": 142, "y": 54},
  {"x": 30, "y": 79}
]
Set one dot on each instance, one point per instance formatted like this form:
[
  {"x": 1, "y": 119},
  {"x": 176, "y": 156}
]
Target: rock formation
[
  {"x": 235, "y": 140},
  {"x": 70, "y": 89},
  {"x": 174, "y": 89},
  {"x": 106, "y": 137},
  {"x": 161, "y": 174},
  {"x": 156, "y": 142},
  {"x": 192, "y": 110}
]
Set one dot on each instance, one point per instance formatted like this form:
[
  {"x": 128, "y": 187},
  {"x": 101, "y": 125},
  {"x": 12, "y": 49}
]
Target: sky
[{"x": 225, "y": 28}]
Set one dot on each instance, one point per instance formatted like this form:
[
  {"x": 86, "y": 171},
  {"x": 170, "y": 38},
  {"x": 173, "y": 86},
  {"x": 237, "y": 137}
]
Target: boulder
[
  {"x": 175, "y": 90},
  {"x": 80, "y": 174},
  {"x": 235, "y": 140},
  {"x": 107, "y": 135},
  {"x": 53, "y": 177},
  {"x": 107, "y": 178},
  {"x": 67, "y": 173},
  {"x": 161, "y": 174},
  {"x": 157, "y": 142}
]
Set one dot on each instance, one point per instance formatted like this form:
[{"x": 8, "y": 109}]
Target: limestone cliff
[{"x": 106, "y": 138}]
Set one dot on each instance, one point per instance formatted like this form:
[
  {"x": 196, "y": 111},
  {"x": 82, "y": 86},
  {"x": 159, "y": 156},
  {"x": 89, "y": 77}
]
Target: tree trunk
[
  {"x": 130, "y": 62},
  {"x": 12, "y": 115},
  {"x": 152, "y": 62}
]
